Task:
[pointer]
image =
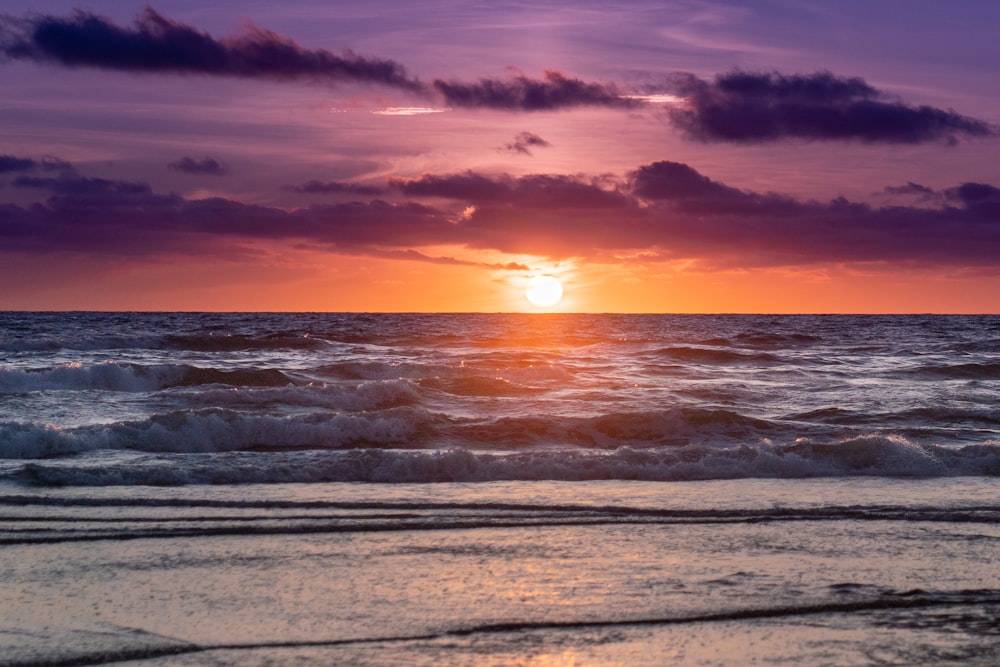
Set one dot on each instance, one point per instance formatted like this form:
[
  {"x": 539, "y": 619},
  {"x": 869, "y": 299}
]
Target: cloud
[
  {"x": 537, "y": 191},
  {"x": 104, "y": 217},
  {"x": 9, "y": 163},
  {"x": 669, "y": 210},
  {"x": 207, "y": 165},
  {"x": 155, "y": 43},
  {"x": 75, "y": 185},
  {"x": 315, "y": 187},
  {"x": 659, "y": 211},
  {"x": 414, "y": 255},
  {"x": 679, "y": 182},
  {"x": 12, "y": 163},
  {"x": 521, "y": 93},
  {"x": 465, "y": 186},
  {"x": 524, "y": 141},
  {"x": 978, "y": 197},
  {"x": 746, "y": 107},
  {"x": 910, "y": 188}
]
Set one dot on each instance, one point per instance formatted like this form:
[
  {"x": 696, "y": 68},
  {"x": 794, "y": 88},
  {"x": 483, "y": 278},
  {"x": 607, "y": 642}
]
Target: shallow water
[{"x": 595, "y": 573}]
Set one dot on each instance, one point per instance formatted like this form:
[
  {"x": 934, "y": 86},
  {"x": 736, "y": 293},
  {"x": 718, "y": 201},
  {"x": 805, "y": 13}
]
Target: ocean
[{"x": 499, "y": 489}]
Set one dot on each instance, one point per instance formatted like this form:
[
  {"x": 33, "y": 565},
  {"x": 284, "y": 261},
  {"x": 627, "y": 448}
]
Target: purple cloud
[
  {"x": 670, "y": 210},
  {"x": 910, "y": 188},
  {"x": 155, "y": 43},
  {"x": 666, "y": 210},
  {"x": 315, "y": 187},
  {"x": 521, "y": 93},
  {"x": 745, "y": 107},
  {"x": 9, "y": 163},
  {"x": 207, "y": 165},
  {"x": 525, "y": 141}
]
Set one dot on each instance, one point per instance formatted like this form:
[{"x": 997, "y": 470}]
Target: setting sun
[{"x": 544, "y": 291}]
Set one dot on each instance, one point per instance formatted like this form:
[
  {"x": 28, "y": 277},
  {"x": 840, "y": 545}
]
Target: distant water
[{"x": 582, "y": 489}]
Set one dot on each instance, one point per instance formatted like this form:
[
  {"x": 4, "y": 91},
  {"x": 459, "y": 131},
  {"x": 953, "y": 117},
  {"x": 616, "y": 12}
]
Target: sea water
[{"x": 497, "y": 489}]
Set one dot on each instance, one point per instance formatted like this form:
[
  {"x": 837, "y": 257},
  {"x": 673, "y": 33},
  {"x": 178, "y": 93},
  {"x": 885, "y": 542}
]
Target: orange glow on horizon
[{"x": 320, "y": 282}]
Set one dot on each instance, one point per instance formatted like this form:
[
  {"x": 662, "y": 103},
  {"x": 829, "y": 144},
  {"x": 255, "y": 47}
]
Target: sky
[{"x": 662, "y": 156}]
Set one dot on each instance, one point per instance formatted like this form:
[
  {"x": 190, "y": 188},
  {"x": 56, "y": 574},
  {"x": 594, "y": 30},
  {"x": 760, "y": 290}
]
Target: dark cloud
[
  {"x": 469, "y": 185},
  {"x": 910, "y": 188},
  {"x": 74, "y": 185},
  {"x": 105, "y": 217},
  {"x": 155, "y": 43},
  {"x": 10, "y": 163},
  {"x": 541, "y": 191},
  {"x": 207, "y": 165},
  {"x": 748, "y": 107},
  {"x": 334, "y": 188},
  {"x": 673, "y": 180},
  {"x": 670, "y": 210},
  {"x": 979, "y": 197},
  {"x": 974, "y": 194},
  {"x": 664, "y": 210},
  {"x": 525, "y": 141},
  {"x": 521, "y": 93}
]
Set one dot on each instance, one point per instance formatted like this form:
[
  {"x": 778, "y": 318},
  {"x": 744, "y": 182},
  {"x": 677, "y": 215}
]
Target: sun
[{"x": 544, "y": 291}]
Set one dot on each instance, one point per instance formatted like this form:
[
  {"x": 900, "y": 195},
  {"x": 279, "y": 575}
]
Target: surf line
[{"x": 915, "y": 599}]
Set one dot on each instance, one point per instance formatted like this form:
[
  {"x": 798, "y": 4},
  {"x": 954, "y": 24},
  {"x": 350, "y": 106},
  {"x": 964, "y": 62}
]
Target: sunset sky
[{"x": 655, "y": 156}]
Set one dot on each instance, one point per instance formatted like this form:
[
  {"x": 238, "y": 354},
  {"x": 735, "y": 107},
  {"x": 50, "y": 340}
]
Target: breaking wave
[
  {"x": 113, "y": 376},
  {"x": 384, "y": 414},
  {"x": 866, "y": 456},
  {"x": 218, "y": 430}
]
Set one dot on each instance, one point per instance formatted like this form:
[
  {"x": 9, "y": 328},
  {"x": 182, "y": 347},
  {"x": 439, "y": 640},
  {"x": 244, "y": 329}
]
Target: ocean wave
[
  {"x": 384, "y": 414},
  {"x": 715, "y": 355},
  {"x": 865, "y": 456},
  {"x": 520, "y": 373},
  {"x": 236, "y": 343},
  {"x": 74, "y": 341},
  {"x": 478, "y": 385},
  {"x": 108, "y": 376},
  {"x": 923, "y": 417},
  {"x": 372, "y": 395},
  {"x": 114, "y": 376},
  {"x": 635, "y": 428},
  {"x": 219, "y": 430},
  {"x": 968, "y": 371},
  {"x": 200, "y": 342},
  {"x": 776, "y": 340},
  {"x": 380, "y": 370}
]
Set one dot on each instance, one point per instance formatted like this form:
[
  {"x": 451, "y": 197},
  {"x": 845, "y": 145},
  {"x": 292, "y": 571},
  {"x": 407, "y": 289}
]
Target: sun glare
[{"x": 544, "y": 291}]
